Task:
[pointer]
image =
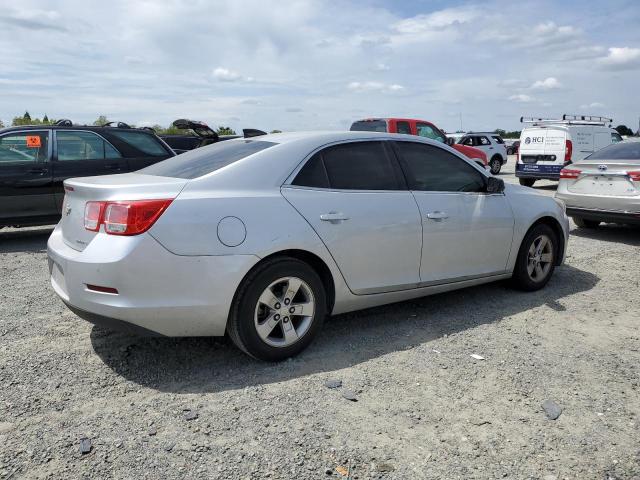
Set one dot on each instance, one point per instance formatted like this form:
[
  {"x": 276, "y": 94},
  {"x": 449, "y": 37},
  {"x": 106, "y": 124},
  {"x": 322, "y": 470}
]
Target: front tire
[
  {"x": 584, "y": 223},
  {"x": 536, "y": 259},
  {"x": 278, "y": 310},
  {"x": 496, "y": 165},
  {"x": 527, "y": 182}
]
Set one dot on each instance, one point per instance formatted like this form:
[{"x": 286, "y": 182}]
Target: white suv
[{"x": 491, "y": 144}]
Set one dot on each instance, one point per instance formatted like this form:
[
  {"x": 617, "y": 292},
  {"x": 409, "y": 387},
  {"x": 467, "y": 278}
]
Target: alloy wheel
[
  {"x": 284, "y": 312},
  {"x": 540, "y": 258}
]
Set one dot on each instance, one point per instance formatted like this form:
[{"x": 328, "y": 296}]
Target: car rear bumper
[
  {"x": 604, "y": 215},
  {"x": 539, "y": 172},
  {"x": 158, "y": 292}
]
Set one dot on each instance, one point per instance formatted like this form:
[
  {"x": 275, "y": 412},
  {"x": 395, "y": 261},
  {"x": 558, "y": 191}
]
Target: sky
[{"x": 320, "y": 64}]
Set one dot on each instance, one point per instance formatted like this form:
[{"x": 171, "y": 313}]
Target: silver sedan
[
  {"x": 604, "y": 187},
  {"x": 262, "y": 238}
]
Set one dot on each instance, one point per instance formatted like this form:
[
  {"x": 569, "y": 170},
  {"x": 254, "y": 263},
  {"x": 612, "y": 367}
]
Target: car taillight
[
  {"x": 634, "y": 176},
  {"x": 125, "y": 217},
  {"x": 93, "y": 215},
  {"x": 568, "y": 150},
  {"x": 570, "y": 173}
]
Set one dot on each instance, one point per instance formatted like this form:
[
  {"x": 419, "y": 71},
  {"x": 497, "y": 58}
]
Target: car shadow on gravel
[
  {"x": 196, "y": 365},
  {"x": 24, "y": 240},
  {"x": 625, "y": 234}
]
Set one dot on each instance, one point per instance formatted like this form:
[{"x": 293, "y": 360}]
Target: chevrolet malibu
[{"x": 263, "y": 238}]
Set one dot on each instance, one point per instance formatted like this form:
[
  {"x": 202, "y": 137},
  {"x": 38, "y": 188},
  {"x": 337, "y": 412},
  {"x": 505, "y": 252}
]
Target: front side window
[
  {"x": 433, "y": 169},
  {"x": 404, "y": 127},
  {"x": 428, "y": 131},
  {"x": 201, "y": 161},
  {"x": 72, "y": 145},
  {"x": 498, "y": 139},
  {"x": 351, "y": 166},
  {"x": 24, "y": 147},
  {"x": 142, "y": 141},
  {"x": 616, "y": 137}
]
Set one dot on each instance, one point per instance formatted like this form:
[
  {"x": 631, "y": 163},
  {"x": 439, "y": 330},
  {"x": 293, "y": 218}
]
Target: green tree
[
  {"x": 624, "y": 130},
  {"x": 101, "y": 121},
  {"x": 1, "y": 124},
  {"x": 500, "y": 132},
  {"x": 45, "y": 119},
  {"x": 26, "y": 117},
  {"x": 225, "y": 131}
]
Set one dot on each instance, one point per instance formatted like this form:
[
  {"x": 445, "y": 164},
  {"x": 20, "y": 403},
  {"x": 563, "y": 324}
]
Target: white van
[{"x": 546, "y": 146}]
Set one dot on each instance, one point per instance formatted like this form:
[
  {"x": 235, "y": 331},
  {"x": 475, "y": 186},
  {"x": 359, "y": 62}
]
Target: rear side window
[
  {"x": 24, "y": 147},
  {"x": 72, "y": 145},
  {"x": 433, "y": 169},
  {"x": 142, "y": 141},
  {"x": 202, "y": 161},
  {"x": 351, "y": 166},
  {"x": 483, "y": 141},
  {"x": 404, "y": 127},
  {"x": 369, "y": 126}
]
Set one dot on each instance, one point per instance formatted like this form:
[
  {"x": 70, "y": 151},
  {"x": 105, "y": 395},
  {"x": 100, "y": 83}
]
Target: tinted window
[
  {"x": 313, "y": 174},
  {"x": 498, "y": 139},
  {"x": 201, "y": 161},
  {"x": 24, "y": 147},
  {"x": 618, "y": 151},
  {"x": 404, "y": 127},
  {"x": 142, "y": 141},
  {"x": 427, "y": 131},
  {"x": 360, "y": 166},
  {"x": 433, "y": 169},
  {"x": 369, "y": 126},
  {"x": 73, "y": 145}
]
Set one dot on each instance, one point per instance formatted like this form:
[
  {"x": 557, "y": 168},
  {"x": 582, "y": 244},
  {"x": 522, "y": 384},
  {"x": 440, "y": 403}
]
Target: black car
[
  {"x": 35, "y": 160},
  {"x": 202, "y": 135}
]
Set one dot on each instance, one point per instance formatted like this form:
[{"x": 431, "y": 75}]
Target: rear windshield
[
  {"x": 369, "y": 126},
  {"x": 617, "y": 151},
  {"x": 199, "y": 162}
]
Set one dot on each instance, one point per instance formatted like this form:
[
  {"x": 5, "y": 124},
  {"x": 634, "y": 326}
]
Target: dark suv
[{"x": 35, "y": 160}]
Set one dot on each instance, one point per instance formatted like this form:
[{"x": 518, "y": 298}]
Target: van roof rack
[{"x": 569, "y": 119}]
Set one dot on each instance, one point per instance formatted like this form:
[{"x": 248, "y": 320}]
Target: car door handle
[
  {"x": 40, "y": 171},
  {"x": 333, "y": 217},
  {"x": 437, "y": 216}
]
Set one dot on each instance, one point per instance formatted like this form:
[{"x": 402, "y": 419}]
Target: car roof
[{"x": 72, "y": 127}]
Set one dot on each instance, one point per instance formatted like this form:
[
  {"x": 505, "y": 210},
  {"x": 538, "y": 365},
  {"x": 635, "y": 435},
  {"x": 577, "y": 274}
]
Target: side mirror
[
  {"x": 450, "y": 141},
  {"x": 495, "y": 185}
]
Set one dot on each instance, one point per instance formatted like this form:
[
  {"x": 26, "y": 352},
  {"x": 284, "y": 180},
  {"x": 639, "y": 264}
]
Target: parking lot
[{"x": 424, "y": 407}]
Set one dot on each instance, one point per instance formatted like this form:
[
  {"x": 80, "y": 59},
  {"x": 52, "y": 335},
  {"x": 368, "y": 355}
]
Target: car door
[
  {"x": 467, "y": 232},
  {"x": 26, "y": 190},
  {"x": 354, "y": 196},
  {"x": 82, "y": 153}
]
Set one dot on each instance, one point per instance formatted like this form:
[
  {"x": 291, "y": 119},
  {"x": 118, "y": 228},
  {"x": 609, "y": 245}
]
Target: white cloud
[
  {"x": 521, "y": 97},
  {"x": 226, "y": 75},
  {"x": 620, "y": 58},
  {"x": 438, "y": 20},
  {"x": 374, "y": 87},
  {"x": 549, "y": 83},
  {"x": 592, "y": 105}
]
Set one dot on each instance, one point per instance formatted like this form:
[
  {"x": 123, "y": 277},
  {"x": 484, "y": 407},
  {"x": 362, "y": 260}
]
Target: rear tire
[
  {"x": 527, "y": 182},
  {"x": 262, "y": 321},
  {"x": 536, "y": 259},
  {"x": 496, "y": 165},
  {"x": 584, "y": 223}
]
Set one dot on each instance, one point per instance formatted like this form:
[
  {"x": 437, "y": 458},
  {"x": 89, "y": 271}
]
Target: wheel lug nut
[
  {"x": 287, "y": 301},
  {"x": 291, "y": 310},
  {"x": 277, "y": 306},
  {"x": 285, "y": 319},
  {"x": 276, "y": 317}
]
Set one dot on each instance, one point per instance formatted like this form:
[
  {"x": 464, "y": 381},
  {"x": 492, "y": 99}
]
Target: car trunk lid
[
  {"x": 128, "y": 186},
  {"x": 607, "y": 179}
]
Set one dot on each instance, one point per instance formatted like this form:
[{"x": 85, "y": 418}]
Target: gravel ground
[{"x": 425, "y": 408}]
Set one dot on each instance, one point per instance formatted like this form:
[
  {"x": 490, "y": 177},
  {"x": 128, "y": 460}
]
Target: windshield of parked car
[
  {"x": 617, "y": 151},
  {"x": 199, "y": 162},
  {"x": 369, "y": 126}
]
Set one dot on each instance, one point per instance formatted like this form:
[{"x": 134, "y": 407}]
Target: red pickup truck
[{"x": 421, "y": 128}]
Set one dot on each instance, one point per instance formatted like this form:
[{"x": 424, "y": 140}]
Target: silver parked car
[
  {"x": 262, "y": 238},
  {"x": 604, "y": 187}
]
